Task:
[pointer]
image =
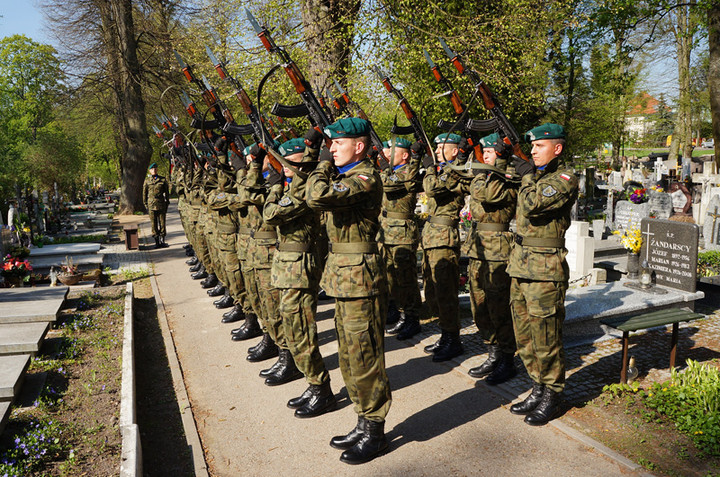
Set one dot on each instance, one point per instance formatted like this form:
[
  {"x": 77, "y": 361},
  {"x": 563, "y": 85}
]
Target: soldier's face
[
  {"x": 297, "y": 157},
  {"x": 489, "y": 156},
  {"x": 544, "y": 151},
  {"x": 401, "y": 156},
  {"x": 346, "y": 150},
  {"x": 446, "y": 152},
  {"x": 153, "y": 171}
]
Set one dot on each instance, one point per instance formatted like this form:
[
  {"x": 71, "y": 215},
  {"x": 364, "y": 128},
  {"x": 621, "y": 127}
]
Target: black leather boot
[
  {"x": 504, "y": 370},
  {"x": 192, "y": 261},
  {"x": 157, "y": 242},
  {"x": 489, "y": 364},
  {"x": 394, "y": 328},
  {"x": 450, "y": 348},
  {"x": 196, "y": 268},
  {"x": 217, "y": 290},
  {"x": 372, "y": 444},
  {"x": 200, "y": 274},
  {"x": 250, "y": 329},
  {"x": 410, "y": 327},
  {"x": 265, "y": 350},
  {"x": 210, "y": 281},
  {"x": 187, "y": 246},
  {"x": 351, "y": 438},
  {"x": 236, "y": 314},
  {"x": 163, "y": 243},
  {"x": 321, "y": 401},
  {"x": 286, "y": 372},
  {"x": 271, "y": 370},
  {"x": 546, "y": 410},
  {"x": 529, "y": 403},
  {"x": 225, "y": 302},
  {"x": 190, "y": 252},
  {"x": 300, "y": 401},
  {"x": 393, "y": 314},
  {"x": 430, "y": 349}
]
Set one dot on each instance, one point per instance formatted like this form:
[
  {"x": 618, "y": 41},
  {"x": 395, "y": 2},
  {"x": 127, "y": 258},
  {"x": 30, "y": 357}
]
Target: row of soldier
[{"x": 268, "y": 242}]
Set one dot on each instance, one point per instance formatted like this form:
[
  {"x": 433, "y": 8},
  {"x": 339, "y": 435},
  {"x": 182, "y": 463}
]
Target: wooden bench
[{"x": 626, "y": 324}]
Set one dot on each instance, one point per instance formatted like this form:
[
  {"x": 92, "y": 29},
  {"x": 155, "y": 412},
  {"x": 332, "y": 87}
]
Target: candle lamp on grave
[{"x": 646, "y": 275}]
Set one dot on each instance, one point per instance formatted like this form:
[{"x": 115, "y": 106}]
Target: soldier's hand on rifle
[
  {"x": 417, "y": 150},
  {"x": 503, "y": 149},
  {"x": 313, "y": 138},
  {"x": 464, "y": 150},
  {"x": 429, "y": 163},
  {"x": 237, "y": 162},
  {"x": 274, "y": 177},
  {"x": 221, "y": 145},
  {"x": 523, "y": 167},
  {"x": 258, "y": 154},
  {"x": 326, "y": 156}
]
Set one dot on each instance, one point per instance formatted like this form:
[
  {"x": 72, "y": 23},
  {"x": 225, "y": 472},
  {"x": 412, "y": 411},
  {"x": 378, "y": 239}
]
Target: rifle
[
  {"x": 499, "y": 121},
  {"x": 416, "y": 126},
  {"x": 382, "y": 161},
  {"x": 456, "y": 102},
  {"x": 315, "y": 111}
]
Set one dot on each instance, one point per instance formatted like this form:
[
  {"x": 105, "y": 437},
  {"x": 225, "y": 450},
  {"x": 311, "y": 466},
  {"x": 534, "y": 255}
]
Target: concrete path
[{"x": 441, "y": 422}]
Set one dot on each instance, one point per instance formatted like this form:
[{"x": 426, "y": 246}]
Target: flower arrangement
[
  {"x": 638, "y": 195},
  {"x": 657, "y": 188},
  {"x": 466, "y": 216},
  {"x": 16, "y": 269},
  {"x": 630, "y": 239},
  {"x": 68, "y": 268}
]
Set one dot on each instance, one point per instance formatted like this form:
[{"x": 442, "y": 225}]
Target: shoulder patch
[
  {"x": 285, "y": 201},
  {"x": 565, "y": 176},
  {"x": 443, "y": 177},
  {"x": 393, "y": 178},
  {"x": 220, "y": 196},
  {"x": 549, "y": 191},
  {"x": 364, "y": 177},
  {"x": 340, "y": 187}
]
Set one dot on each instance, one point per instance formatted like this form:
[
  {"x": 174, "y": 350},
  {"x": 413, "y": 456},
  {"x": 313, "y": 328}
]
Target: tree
[{"x": 713, "y": 20}]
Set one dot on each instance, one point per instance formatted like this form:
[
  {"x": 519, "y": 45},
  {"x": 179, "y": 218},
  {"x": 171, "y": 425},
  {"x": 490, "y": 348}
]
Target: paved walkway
[{"x": 442, "y": 422}]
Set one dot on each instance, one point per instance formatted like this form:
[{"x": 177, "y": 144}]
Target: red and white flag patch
[
  {"x": 565, "y": 176},
  {"x": 363, "y": 177}
]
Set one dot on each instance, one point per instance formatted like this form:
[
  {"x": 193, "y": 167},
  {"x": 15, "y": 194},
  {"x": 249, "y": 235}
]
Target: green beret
[
  {"x": 491, "y": 140},
  {"x": 293, "y": 146},
  {"x": 153, "y": 166},
  {"x": 447, "y": 138},
  {"x": 400, "y": 142},
  {"x": 545, "y": 131},
  {"x": 348, "y": 127}
]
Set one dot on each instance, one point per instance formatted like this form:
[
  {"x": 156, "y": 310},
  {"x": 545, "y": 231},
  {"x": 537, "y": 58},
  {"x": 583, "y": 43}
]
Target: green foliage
[
  {"x": 708, "y": 263},
  {"x": 691, "y": 399},
  {"x": 39, "y": 442}
]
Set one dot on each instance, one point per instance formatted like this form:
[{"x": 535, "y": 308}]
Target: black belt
[
  {"x": 397, "y": 215},
  {"x": 539, "y": 242},
  {"x": 353, "y": 247},
  {"x": 444, "y": 221},
  {"x": 294, "y": 247}
]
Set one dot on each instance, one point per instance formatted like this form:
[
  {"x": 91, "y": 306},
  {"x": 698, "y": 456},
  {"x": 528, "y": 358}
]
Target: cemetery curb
[
  {"x": 131, "y": 455},
  {"x": 188, "y": 420}
]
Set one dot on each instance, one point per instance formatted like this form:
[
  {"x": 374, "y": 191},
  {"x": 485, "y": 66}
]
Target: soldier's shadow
[{"x": 443, "y": 416}]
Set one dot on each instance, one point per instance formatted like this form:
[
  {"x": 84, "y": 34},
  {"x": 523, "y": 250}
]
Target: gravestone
[
  {"x": 637, "y": 175},
  {"x": 629, "y": 215},
  {"x": 661, "y": 205},
  {"x": 671, "y": 250},
  {"x": 682, "y": 200},
  {"x": 581, "y": 249},
  {"x": 711, "y": 227},
  {"x": 615, "y": 180}
]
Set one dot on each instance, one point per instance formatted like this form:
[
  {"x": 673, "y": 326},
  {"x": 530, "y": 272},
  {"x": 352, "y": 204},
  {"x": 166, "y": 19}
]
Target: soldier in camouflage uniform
[
  {"x": 296, "y": 272},
  {"x": 354, "y": 274},
  {"x": 399, "y": 236},
  {"x": 441, "y": 248},
  {"x": 206, "y": 226},
  {"x": 539, "y": 272},
  {"x": 156, "y": 197},
  {"x": 493, "y": 197}
]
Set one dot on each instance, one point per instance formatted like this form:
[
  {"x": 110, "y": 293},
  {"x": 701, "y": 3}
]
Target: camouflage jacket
[
  {"x": 177, "y": 182},
  {"x": 261, "y": 244},
  {"x": 543, "y": 212},
  {"x": 299, "y": 225},
  {"x": 217, "y": 201},
  {"x": 156, "y": 193},
  {"x": 400, "y": 187},
  {"x": 354, "y": 199},
  {"x": 444, "y": 203},
  {"x": 492, "y": 201}
]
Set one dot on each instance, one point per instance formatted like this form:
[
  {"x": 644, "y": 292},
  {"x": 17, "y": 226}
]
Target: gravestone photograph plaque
[
  {"x": 711, "y": 226},
  {"x": 629, "y": 215},
  {"x": 671, "y": 250}
]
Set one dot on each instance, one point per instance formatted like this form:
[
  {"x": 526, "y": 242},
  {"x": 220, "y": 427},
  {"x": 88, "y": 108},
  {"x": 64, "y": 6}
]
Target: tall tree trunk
[
  {"x": 121, "y": 45},
  {"x": 714, "y": 75},
  {"x": 329, "y": 26},
  {"x": 684, "y": 32}
]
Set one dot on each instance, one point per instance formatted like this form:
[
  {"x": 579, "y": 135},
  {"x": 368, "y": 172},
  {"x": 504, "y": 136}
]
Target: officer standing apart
[
  {"x": 355, "y": 275},
  {"x": 156, "y": 197},
  {"x": 540, "y": 272}
]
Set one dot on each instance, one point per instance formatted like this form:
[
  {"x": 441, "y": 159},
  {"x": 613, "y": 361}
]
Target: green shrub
[{"x": 708, "y": 263}]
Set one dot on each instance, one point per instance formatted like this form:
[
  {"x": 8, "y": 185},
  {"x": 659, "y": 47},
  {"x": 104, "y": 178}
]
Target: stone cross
[
  {"x": 715, "y": 216},
  {"x": 659, "y": 163},
  {"x": 647, "y": 234}
]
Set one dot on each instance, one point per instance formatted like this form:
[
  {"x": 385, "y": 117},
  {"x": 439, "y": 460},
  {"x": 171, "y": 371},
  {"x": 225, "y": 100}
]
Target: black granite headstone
[{"x": 671, "y": 250}]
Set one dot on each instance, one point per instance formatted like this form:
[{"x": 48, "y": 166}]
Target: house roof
[{"x": 643, "y": 105}]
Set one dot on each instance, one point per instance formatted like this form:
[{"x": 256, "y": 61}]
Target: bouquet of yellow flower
[{"x": 630, "y": 239}]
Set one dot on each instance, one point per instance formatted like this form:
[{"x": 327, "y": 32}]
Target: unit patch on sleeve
[
  {"x": 339, "y": 187},
  {"x": 549, "y": 191},
  {"x": 285, "y": 201}
]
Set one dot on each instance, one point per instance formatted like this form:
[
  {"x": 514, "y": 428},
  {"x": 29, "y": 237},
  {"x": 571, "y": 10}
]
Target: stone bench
[
  {"x": 650, "y": 320},
  {"x": 22, "y": 338}
]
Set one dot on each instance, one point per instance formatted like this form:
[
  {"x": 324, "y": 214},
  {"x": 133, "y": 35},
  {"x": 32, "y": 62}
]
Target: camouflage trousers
[
  {"x": 441, "y": 270},
  {"x": 490, "y": 303},
  {"x": 157, "y": 219},
  {"x": 183, "y": 213},
  {"x": 538, "y": 310},
  {"x": 298, "y": 307},
  {"x": 360, "y": 326},
  {"x": 229, "y": 262},
  {"x": 192, "y": 219},
  {"x": 211, "y": 240},
  {"x": 268, "y": 301},
  {"x": 201, "y": 247},
  {"x": 401, "y": 264}
]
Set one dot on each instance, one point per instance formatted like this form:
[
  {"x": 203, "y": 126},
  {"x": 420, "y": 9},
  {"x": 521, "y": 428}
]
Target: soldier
[
  {"x": 296, "y": 272},
  {"x": 441, "y": 248},
  {"x": 539, "y": 272},
  {"x": 493, "y": 197},
  {"x": 354, "y": 274},
  {"x": 156, "y": 197},
  {"x": 399, "y": 236}
]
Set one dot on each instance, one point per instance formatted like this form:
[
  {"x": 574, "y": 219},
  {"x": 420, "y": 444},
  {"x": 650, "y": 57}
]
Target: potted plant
[
  {"x": 69, "y": 274},
  {"x": 16, "y": 271}
]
